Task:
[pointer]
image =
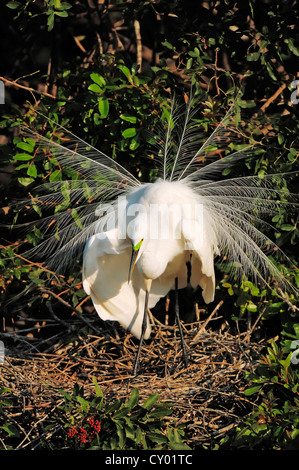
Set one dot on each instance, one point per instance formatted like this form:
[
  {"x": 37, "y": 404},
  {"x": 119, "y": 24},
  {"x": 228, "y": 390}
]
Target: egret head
[{"x": 135, "y": 252}]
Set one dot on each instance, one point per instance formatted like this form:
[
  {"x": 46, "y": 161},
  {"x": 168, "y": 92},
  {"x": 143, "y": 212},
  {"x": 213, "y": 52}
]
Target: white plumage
[
  {"x": 170, "y": 235},
  {"x": 191, "y": 213}
]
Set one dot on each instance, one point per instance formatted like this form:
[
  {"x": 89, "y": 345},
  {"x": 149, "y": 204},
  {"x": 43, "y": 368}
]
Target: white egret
[
  {"x": 160, "y": 241},
  {"x": 140, "y": 236}
]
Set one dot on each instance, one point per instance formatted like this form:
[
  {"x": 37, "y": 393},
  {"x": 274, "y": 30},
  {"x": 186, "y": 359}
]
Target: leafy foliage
[
  {"x": 91, "y": 422},
  {"x": 274, "y": 424},
  {"x": 124, "y": 423}
]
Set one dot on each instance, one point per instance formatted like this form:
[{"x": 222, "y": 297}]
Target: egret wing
[
  {"x": 106, "y": 264},
  {"x": 202, "y": 243}
]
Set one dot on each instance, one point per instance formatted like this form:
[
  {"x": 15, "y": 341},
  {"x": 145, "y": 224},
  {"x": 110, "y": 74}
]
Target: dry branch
[{"x": 15, "y": 84}]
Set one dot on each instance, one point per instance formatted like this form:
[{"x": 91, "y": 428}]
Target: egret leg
[
  {"x": 177, "y": 316},
  {"x": 143, "y": 329}
]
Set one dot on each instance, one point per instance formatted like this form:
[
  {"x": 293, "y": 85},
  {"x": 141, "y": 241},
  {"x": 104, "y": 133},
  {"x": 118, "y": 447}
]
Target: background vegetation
[{"x": 104, "y": 69}]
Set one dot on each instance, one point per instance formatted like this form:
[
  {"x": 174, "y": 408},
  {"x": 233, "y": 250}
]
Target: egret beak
[{"x": 135, "y": 251}]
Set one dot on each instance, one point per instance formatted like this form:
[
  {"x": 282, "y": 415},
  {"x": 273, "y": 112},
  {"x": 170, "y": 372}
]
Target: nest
[{"x": 207, "y": 396}]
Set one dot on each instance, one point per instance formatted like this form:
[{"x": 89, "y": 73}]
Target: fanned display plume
[{"x": 86, "y": 199}]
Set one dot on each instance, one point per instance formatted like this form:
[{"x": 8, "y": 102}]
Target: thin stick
[
  {"x": 250, "y": 331},
  {"x": 198, "y": 335},
  {"x": 273, "y": 97},
  {"x": 15, "y": 84},
  {"x": 46, "y": 291},
  {"x": 293, "y": 307},
  {"x": 31, "y": 263},
  {"x": 177, "y": 315},
  {"x": 138, "y": 43}
]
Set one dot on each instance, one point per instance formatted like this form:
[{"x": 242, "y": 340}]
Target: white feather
[{"x": 231, "y": 225}]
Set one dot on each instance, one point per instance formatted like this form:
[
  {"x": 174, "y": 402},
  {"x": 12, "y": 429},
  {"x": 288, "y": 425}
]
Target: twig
[
  {"x": 293, "y": 307},
  {"x": 100, "y": 44},
  {"x": 59, "y": 320},
  {"x": 77, "y": 41},
  {"x": 138, "y": 43},
  {"x": 4, "y": 446},
  {"x": 31, "y": 263},
  {"x": 273, "y": 97},
  {"x": 198, "y": 335},
  {"x": 250, "y": 331},
  {"x": 46, "y": 291},
  {"x": 13, "y": 83}
]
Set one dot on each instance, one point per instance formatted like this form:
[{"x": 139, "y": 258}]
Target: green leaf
[
  {"x": 126, "y": 72},
  {"x": 65, "y": 6},
  {"x": 63, "y": 14},
  {"x": 252, "y": 390},
  {"x": 127, "y": 117},
  {"x": 254, "y": 56},
  {"x": 66, "y": 395},
  {"x": 179, "y": 446},
  {"x": 121, "y": 434},
  {"x": 98, "y": 79},
  {"x": 161, "y": 412},
  {"x": 286, "y": 362},
  {"x": 130, "y": 432},
  {"x": 255, "y": 291},
  {"x": 226, "y": 284},
  {"x": 251, "y": 307},
  {"x": 167, "y": 116},
  {"x": 77, "y": 218},
  {"x": 98, "y": 390},
  {"x": 87, "y": 191},
  {"x": 168, "y": 45},
  {"x": 13, "y": 5},
  {"x": 156, "y": 437},
  {"x": 50, "y": 21},
  {"x": 138, "y": 436},
  {"x": 25, "y": 146},
  {"x": 25, "y": 181},
  {"x": 95, "y": 88},
  {"x": 114, "y": 406},
  {"x": 55, "y": 176},
  {"x": 5, "y": 390},
  {"x": 291, "y": 46},
  {"x": 83, "y": 403},
  {"x": 270, "y": 72},
  {"x": 103, "y": 105},
  {"x": 121, "y": 413},
  {"x": 22, "y": 157},
  {"x": 37, "y": 209},
  {"x": 150, "y": 401},
  {"x": 134, "y": 144},
  {"x": 32, "y": 171},
  {"x": 189, "y": 63},
  {"x": 128, "y": 133},
  {"x": 287, "y": 227},
  {"x": 246, "y": 104},
  {"x": 133, "y": 400},
  {"x": 65, "y": 190},
  {"x": 11, "y": 430}
]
